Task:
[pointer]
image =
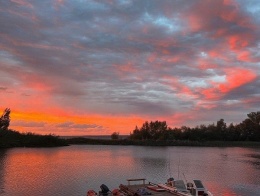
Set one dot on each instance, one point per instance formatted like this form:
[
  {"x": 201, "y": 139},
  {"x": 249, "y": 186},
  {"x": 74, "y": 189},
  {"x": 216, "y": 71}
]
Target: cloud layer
[{"x": 95, "y": 67}]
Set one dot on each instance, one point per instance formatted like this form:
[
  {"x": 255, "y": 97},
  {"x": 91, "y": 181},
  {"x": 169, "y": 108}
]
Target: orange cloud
[{"x": 46, "y": 122}]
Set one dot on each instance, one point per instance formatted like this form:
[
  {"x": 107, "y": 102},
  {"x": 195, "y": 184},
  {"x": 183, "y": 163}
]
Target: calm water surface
[{"x": 75, "y": 169}]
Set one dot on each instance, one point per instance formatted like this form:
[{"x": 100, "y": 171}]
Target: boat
[
  {"x": 171, "y": 188},
  {"x": 194, "y": 188}
]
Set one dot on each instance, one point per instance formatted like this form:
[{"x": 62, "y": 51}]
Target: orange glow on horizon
[
  {"x": 72, "y": 124},
  {"x": 124, "y": 124}
]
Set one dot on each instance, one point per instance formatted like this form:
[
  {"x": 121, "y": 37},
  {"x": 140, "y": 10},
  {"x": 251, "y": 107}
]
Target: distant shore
[
  {"x": 91, "y": 141},
  {"x": 11, "y": 138}
]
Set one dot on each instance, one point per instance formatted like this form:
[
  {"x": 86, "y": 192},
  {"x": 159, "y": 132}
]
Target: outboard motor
[
  {"x": 189, "y": 186},
  {"x": 170, "y": 182},
  {"x": 104, "y": 189}
]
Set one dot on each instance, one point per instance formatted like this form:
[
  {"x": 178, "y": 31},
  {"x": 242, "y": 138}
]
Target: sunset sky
[{"x": 85, "y": 67}]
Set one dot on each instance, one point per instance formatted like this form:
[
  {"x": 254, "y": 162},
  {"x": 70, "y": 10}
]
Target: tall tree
[
  {"x": 221, "y": 129},
  {"x": 153, "y": 130},
  {"x": 254, "y": 117},
  {"x": 252, "y": 125},
  {"x": 115, "y": 136},
  {"x": 5, "y": 119}
]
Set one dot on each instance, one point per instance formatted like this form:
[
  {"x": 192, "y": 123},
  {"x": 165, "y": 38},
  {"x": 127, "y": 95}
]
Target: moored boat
[
  {"x": 194, "y": 188},
  {"x": 172, "y": 187}
]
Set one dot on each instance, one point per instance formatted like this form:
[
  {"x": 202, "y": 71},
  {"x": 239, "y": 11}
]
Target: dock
[{"x": 149, "y": 188}]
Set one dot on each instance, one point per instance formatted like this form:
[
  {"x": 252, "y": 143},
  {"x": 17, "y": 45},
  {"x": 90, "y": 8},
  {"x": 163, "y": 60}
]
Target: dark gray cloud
[
  {"x": 3, "y": 88},
  {"x": 29, "y": 124},
  {"x": 78, "y": 126},
  {"x": 251, "y": 90}
]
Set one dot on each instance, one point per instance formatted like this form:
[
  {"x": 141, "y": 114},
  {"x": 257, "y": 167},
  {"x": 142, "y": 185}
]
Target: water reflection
[
  {"x": 254, "y": 160},
  {"x": 75, "y": 169},
  {"x": 153, "y": 163},
  {"x": 2, "y": 169}
]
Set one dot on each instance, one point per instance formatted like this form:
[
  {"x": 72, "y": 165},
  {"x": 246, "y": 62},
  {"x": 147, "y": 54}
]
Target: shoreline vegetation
[
  {"x": 188, "y": 143},
  {"x": 11, "y": 138},
  {"x": 157, "y": 133}
]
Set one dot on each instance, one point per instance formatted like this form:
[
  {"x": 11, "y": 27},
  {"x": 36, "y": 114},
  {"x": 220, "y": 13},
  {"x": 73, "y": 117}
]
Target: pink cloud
[
  {"x": 235, "y": 77},
  {"x": 205, "y": 64},
  {"x": 180, "y": 88},
  {"x": 237, "y": 42},
  {"x": 244, "y": 56},
  {"x": 215, "y": 18},
  {"x": 22, "y": 3}
]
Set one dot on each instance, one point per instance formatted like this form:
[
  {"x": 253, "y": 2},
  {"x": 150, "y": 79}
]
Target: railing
[{"x": 137, "y": 179}]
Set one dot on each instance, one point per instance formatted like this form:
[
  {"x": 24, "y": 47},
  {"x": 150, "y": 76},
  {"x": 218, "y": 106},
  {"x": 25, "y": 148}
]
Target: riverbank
[
  {"x": 88, "y": 141},
  {"x": 10, "y": 139}
]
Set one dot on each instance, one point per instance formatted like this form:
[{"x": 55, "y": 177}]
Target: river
[{"x": 72, "y": 170}]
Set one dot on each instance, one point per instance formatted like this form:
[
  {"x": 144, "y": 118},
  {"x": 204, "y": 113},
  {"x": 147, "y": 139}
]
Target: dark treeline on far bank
[
  {"x": 10, "y": 138},
  {"x": 248, "y": 130},
  {"x": 157, "y": 133}
]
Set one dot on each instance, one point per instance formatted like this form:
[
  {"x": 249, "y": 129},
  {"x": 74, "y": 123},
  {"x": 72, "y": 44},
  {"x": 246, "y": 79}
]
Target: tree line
[
  {"x": 247, "y": 130},
  {"x": 150, "y": 133},
  {"x": 5, "y": 119}
]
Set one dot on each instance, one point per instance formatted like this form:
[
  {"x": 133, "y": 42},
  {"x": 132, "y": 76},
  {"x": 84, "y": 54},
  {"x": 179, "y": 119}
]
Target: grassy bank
[
  {"x": 89, "y": 141},
  {"x": 10, "y": 138}
]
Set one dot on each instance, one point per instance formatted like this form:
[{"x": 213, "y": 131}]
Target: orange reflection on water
[
  {"x": 214, "y": 188},
  {"x": 29, "y": 167},
  {"x": 42, "y": 170}
]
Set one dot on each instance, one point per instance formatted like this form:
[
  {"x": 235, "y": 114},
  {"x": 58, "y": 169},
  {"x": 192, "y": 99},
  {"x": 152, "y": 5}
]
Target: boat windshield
[{"x": 198, "y": 184}]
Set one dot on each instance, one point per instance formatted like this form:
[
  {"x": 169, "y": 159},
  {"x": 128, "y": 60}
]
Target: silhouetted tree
[
  {"x": 154, "y": 130},
  {"x": 254, "y": 117},
  {"x": 5, "y": 119},
  {"x": 136, "y": 135},
  {"x": 221, "y": 129},
  {"x": 250, "y": 127},
  {"x": 233, "y": 133},
  {"x": 115, "y": 136}
]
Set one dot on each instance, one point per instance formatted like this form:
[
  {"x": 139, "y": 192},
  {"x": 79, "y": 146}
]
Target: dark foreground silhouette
[{"x": 11, "y": 138}]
